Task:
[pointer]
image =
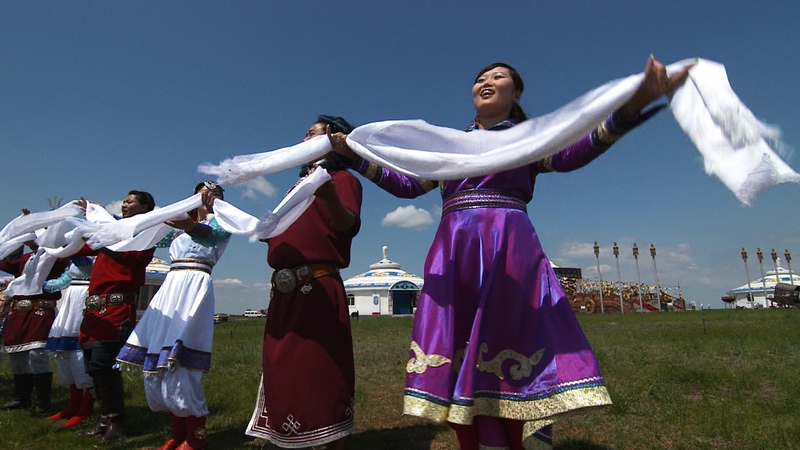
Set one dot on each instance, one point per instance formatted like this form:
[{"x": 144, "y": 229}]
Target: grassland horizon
[{"x": 711, "y": 379}]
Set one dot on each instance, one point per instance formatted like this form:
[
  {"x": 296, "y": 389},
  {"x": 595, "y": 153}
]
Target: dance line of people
[
  {"x": 496, "y": 351},
  {"x": 97, "y": 332}
]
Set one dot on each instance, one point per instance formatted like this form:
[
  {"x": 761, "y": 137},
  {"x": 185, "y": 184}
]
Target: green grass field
[{"x": 681, "y": 380}]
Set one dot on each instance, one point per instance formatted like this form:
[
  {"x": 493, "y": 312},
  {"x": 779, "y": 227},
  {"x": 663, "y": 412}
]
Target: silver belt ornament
[
  {"x": 286, "y": 280},
  {"x": 95, "y": 302},
  {"x": 27, "y": 305}
]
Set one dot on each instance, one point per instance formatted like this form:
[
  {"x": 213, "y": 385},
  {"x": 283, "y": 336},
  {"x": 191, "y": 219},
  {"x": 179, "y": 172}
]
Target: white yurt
[
  {"x": 762, "y": 289},
  {"x": 385, "y": 289}
]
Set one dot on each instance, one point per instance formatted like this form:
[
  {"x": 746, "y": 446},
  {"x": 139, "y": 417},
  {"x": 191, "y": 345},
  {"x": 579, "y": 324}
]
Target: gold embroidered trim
[
  {"x": 547, "y": 164},
  {"x": 517, "y": 371},
  {"x": 605, "y": 136},
  {"x": 529, "y": 442},
  {"x": 492, "y": 447},
  {"x": 428, "y": 185},
  {"x": 458, "y": 359},
  {"x": 538, "y": 410},
  {"x": 420, "y": 362},
  {"x": 419, "y": 407},
  {"x": 372, "y": 171}
]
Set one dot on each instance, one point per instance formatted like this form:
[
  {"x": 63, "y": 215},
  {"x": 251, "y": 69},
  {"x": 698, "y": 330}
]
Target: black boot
[
  {"x": 100, "y": 427},
  {"x": 115, "y": 393},
  {"x": 43, "y": 387},
  {"x": 23, "y": 387}
]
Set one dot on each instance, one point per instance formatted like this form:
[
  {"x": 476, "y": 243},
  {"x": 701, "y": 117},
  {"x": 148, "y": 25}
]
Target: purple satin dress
[{"x": 494, "y": 333}]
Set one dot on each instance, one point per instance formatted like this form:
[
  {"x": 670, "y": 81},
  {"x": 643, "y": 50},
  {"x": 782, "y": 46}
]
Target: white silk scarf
[
  {"x": 705, "y": 107},
  {"x": 28, "y": 223},
  {"x": 143, "y": 231}
]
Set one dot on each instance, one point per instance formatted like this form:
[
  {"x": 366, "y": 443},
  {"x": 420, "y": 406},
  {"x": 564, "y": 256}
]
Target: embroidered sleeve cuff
[
  {"x": 369, "y": 170},
  {"x": 614, "y": 127}
]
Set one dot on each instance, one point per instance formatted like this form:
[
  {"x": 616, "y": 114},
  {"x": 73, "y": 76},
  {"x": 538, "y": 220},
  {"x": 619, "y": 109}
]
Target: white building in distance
[
  {"x": 758, "y": 293},
  {"x": 383, "y": 290}
]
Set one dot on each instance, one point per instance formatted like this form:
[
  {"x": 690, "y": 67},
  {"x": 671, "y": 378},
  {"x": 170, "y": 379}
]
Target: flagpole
[
  {"x": 638, "y": 276},
  {"x": 655, "y": 274},
  {"x": 619, "y": 279},
  {"x": 597, "y": 255}
]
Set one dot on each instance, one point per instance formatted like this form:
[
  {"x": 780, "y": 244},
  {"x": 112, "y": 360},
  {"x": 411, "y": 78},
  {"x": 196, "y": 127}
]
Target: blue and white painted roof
[
  {"x": 384, "y": 274},
  {"x": 769, "y": 281}
]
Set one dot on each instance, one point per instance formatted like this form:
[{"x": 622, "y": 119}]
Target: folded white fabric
[
  {"x": 246, "y": 167},
  {"x": 149, "y": 228},
  {"x": 28, "y": 223},
  {"x": 236, "y": 221},
  {"x": 8, "y": 247},
  {"x": 33, "y": 274},
  {"x": 421, "y": 150},
  {"x": 737, "y": 148},
  {"x": 106, "y": 234}
]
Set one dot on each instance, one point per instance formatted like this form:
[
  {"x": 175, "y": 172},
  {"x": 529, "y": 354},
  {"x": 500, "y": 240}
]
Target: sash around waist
[
  {"x": 191, "y": 264},
  {"x": 482, "y": 198}
]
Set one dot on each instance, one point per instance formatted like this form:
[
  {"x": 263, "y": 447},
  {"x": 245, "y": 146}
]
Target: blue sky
[{"x": 100, "y": 97}]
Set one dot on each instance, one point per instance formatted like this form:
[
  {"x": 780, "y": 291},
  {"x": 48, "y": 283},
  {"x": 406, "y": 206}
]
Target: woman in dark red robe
[{"x": 306, "y": 395}]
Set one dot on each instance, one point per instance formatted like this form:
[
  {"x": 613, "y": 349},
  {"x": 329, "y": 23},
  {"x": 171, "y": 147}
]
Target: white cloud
[
  {"x": 258, "y": 187},
  {"x": 229, "y": 283},
  {"x": 115, "y": 207},
  {"x": 408, "y": 217}
]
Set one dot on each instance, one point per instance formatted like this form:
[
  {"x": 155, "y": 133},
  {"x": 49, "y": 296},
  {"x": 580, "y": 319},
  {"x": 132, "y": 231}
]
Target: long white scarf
[
  {"x": 28, "y": 223},
  {"x": 8, "y": 247},
  {"x": 713, "y": 117},
  {"x": 38, "y": 266},
  {"x": 34, "y": 274},
  {"x": 143, "y": 231}
]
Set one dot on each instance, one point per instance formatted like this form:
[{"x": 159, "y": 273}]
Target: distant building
[
  {"x": 383, "y": 290},
  {"x": 758, "y": 293},
  {"x": 154, "y": 276}
]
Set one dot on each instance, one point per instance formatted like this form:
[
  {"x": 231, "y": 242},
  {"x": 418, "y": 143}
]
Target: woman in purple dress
[{"x": 496, "y": 349}]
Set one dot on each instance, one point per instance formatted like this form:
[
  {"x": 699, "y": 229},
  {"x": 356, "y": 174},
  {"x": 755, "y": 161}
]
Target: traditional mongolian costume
[
  {"x": 306, "y": 395},
  {"x": 494, "y": 333},
  {"x": 25, "y": 335},
  {"x": 108, "y": 320},
  {"x": 172, "y": 342},
  {"x": 63, "y": 340}
]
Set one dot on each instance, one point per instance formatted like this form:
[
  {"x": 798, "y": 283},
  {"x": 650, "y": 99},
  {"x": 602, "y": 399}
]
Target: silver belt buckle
[
  {"x": 47, "y": 304},
  {"x": 285, "y": 281},
  {"x": 116, "y": 298},
  {"x": 24, "y": 305},
  {"x": 93, "y": 302}
]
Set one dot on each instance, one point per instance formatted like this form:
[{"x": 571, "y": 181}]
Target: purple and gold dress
[{"x": 494, "y": 333}]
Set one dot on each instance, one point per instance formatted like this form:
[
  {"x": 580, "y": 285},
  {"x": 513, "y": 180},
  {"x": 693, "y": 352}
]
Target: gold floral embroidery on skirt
[
  {"x": 517, "y": 371},
  {"x": 420, "y": 362}
]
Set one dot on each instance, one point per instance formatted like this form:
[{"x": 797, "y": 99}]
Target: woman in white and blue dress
[
  {"x": 63, "y": 340},
  {"x": 172, "y": 341}
]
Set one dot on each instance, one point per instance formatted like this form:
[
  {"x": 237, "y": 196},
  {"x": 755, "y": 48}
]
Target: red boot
[
  {"x": 196, "y": 438},
  {"x": 178, "y": 434},
  {"x": 85, "y": 411},
  {"x": 72, "y": 408}
]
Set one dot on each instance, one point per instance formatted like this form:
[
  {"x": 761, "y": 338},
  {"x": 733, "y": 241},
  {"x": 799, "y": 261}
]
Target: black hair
[
  {"x": 144, "y": 198},
  {"x": 516, "y": 111},
  {"x": 330, "y": 161},
  {"x": 338, "y": 124}
]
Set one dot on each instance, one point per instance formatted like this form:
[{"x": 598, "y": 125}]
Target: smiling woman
[
  {"x": 496, "y": 350},
  {"x": 497, "y": 90}
]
